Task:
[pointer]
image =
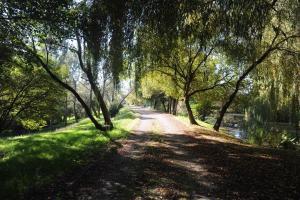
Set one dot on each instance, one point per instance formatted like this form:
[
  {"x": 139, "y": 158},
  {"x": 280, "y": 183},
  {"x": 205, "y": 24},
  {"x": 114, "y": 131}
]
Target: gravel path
[
  {"x": 165, "y": 159},
  {"x": 155, "y": 162}
]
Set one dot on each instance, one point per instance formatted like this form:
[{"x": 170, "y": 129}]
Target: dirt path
[{"x": 165, "y": 159}]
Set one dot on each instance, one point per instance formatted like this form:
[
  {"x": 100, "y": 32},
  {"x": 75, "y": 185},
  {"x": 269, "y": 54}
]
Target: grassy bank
[
  {"x": 207, "y": 129},
  {"x": 201, "y": 123},
  {"x": 34, "y": 160}
]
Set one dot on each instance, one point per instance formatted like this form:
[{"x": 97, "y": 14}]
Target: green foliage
[
  {"x": 34, "y": 160},
  {"x": 114, "y": 109},
  {"x": 26, "y": 94},
  {"x": 32, "y": 125},
  {"x": 154, "y": 83},
  {"x": 204, "y": 109},
  {"x": 179, "y": 49},
  {"x": 201, "y": 123},
  {"x": 287, "y": 142}
]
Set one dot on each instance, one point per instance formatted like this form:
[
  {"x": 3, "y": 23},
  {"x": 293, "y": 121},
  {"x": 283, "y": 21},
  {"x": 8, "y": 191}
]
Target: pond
[
  {"x": 236, "y": 132},
  {"x": 273, "y": 138}
]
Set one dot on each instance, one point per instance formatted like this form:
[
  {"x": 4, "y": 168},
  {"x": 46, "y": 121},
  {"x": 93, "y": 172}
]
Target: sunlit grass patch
[
  {"x": 36, "y": 159},
  {"x": 201, "y": 123},
  {"x": 207, "y": 130}
]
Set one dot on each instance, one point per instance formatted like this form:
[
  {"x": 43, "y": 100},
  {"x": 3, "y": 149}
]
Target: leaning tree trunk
[
  {"x": 189, "y": 110},
  {"x": 78, "y": 97},
  {"x": 87, "y": 70},
  {"x": 237, "y": 87},
  {"x": 105, "y": 112},
  {"x": 123, "y": 99},
  {"x": 224, "y": 109}
]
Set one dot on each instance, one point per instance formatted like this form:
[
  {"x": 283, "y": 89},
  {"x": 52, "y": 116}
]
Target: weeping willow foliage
[
  {"x": 105, "y": 30},
  {"x": 112, "y": 28},
  {"x": 199, "y": 24},
  {"x": 277, "y": 96}
]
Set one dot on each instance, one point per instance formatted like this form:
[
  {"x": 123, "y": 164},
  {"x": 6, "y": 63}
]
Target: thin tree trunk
[
  {"x": 74, "y": 102},
  {"x": 69, "y": 88},
  {"x": 75, "y": 111},
  {"x": 170, "y": 105},
  {"x": 174, "y": 109},
  {"x": 237, "y": 87},
  {"x": 164, "y": 106},
  {"x": 66, "y": 111},
  {"x": 105, "y": 112},
  {"x": 96, "y": 90},
  {"x": 91, "y": 99},
  {"x": 123, "y": 99},
  {"x": 189, "y": 111}
]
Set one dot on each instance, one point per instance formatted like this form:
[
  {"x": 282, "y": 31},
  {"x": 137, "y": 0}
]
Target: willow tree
[
  {"x": 275, "y": 91},
  {"x": 98, "y": 28},
  {"x": 37, "y": 37},
  {"x": 181, "y": 41},
  {"x": 153, "y": 88},
  {"x": 103, "y": 31},
  {"x": 277, "y": 31},
  {"x": 190, "y": 69}
]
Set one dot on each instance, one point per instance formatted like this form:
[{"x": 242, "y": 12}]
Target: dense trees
[
  {"x": 277, "y": 35},
  {"x": 23, "y": 85},
  {"x": 41, "y": 39},
  {"x": 207, "y": 52},
  {"x": 227, "y": 65}
]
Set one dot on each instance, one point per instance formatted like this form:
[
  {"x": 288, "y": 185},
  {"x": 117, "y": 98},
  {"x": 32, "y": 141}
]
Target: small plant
[
  {"x": 287, "y": 142},
  {"x": 33, "y": 125}
]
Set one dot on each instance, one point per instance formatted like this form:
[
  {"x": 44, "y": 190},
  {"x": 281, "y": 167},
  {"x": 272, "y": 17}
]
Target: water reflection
[{"x": 236, "y": 132}]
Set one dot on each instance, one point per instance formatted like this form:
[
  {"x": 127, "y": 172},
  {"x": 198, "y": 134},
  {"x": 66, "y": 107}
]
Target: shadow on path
[{"x": 178, "y": 165}]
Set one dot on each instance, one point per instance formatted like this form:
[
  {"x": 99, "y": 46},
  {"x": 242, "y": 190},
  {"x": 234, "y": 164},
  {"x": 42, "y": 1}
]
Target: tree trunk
[
  {"x": 189, "y": 111},
  {"x": 105, "y": 112},
  {"x": 170, "y": 105},
  {"x": 123, "y": 99},
  {"x": 78, "y": 97},
  {"x": 174, "y": 106},
  {"x": 91, "y": 99},
  {"x": 99, "y": 97},
  {"x": 74, "y": 103},
  {"x": 66, "y": 111},
  {"x": 164, "y": 105},
  {"x": 226, "y": 106},
  {"x": 75, "y": 111},
  {"x": 88, "y": 71},
  {"x": 238, "y": 84}
]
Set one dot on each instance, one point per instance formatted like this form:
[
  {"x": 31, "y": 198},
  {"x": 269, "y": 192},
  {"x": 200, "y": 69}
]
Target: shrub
[{"x": 114, "y": 109}]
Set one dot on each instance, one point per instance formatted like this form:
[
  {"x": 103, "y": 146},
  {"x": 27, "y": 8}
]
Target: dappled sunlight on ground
[
  {"x": 166, "y": 159},
  {"x": 29, "y": 162}
]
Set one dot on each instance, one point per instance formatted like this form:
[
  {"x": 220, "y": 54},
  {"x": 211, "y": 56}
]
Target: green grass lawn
[{"x": 35, "y": 160}]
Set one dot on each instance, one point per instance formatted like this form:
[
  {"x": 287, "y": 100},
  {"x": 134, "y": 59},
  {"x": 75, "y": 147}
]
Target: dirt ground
[{"x": 165, "y": 159}]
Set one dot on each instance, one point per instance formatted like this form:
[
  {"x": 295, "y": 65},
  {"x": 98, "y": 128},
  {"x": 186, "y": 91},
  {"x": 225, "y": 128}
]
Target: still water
[{"x": 236, "y": 132}]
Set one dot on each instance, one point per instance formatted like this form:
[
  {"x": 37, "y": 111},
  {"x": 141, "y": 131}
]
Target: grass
[
  {"x": 201, "y": 123},
  {"x": 34, "y": 160},
  {"x": 207, "y": 129}
]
